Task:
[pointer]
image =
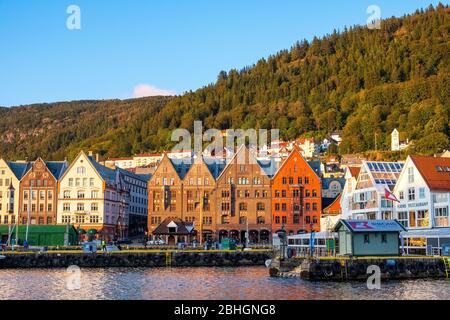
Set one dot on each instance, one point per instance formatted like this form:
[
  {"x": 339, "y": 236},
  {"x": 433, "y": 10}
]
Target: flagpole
[{"x": 29, "y": 208}]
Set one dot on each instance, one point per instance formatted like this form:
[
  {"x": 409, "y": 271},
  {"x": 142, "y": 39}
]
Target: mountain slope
[{"x": 363, "y": 82}]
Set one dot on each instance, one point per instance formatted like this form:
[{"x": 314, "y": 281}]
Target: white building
[
  {"x": 309, "y": 147},
  {"x": 396, "y": 144},
  {"x": 351, "y": 176},
  {"x": 423, "y": 189},
  {"x": 94, "y": 197},
  {"x": 375, "y": 181}
]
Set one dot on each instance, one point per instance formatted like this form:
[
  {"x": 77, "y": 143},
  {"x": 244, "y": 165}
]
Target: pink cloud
[{"x": 147, "y": 90}]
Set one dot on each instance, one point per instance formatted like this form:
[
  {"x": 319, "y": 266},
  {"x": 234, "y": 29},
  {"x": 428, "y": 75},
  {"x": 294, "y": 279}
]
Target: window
[
  {"x": 70, "y": 182},
  {"x": 225, "y": 219},
  {"x": 66, "y": 207},
  {"x": 277, "y": 207},
  {"x": 49, "y": 207},
  {"x": 401, "y": 195},
  {"x": 422, "y": 218},
  {"x": 49, "y": 220},
  {"x": 422, "y": 193},
  {"x": 383, "y": 238},
  {"x": 307, "y": 193},
  {"x": 308, "y": 207},
  {"x": 81, "y": 170},
  {"x": 242, "y": 206},
  {"x": 284, "y": 180},
  {"x": 94, "y": 207},
  {"x": 50, "y": 195},
  {"x": 284, "y": 219},
  {"x": 283, "y": 207},
  {"x": 80, "y": 206},
  {"x": 314, "y": 193},
  {"x": 25, "y": 195},
  {"x": 314, "y": 206},
  {"x": 80, "y": 194},
  {"x": 41, "y": 220},
  {"x": 277, "y": 193},
  {"x": 242, "y": 220},
  {"x": 85, "y": 182},
  {"x": 93, "y": 219},
  {"x": 411, "y": 194},
  {"x": 403, "y": 218},
  {"x": 41, "y": 195},
  {"x": 260, "y": 220},
  {"x": 260, "y": 206},
  {"x": 283, "y": 193},
  {"x": 296, "y": 219},
  {"x": 441, "y": 217},
  {"x": 79, "y": 219},
  {"x": 41, "y": 207},
  {"x": 77, "y": 182},
  {"x": 91, "y": 182},
  {"x": 306, "y": 180},
  {"x": 65, "y": 219},
  {"x": 94, "y": 194},
  {"x": 366, "y": 238},
  {"x": 277, "y": 219},
  {"x": 66, "y": 195},
  {"x": 411, "y": 175}
]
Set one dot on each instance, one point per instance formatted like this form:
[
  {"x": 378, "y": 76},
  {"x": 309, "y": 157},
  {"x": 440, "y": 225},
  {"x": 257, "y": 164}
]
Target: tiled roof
[
  {"x": 354, "y": 171},
  {"x": 182, "y": 166},
  {"x": 107, "y": 174},
  {"x": 315, "y": 165},
  {"x": 57, "y": 168},
  {"x": 19, "y": 168},
  {"x": 163, "y": 228},
  {"x": 270, "y": 166},
  {"x": 435, "y": 171},
  {"x": 334, "y": 207},
  {"x": 215, "y": 165}
]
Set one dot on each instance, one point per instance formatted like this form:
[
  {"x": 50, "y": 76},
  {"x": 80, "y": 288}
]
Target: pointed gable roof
[
  {"x": 435, "y": 171},
  {"x": 296, "y": 151},
  {"x": 243, "y": 151}
]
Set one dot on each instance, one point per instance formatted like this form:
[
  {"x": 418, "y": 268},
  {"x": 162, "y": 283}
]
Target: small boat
[{"x": 2, "y": 257}]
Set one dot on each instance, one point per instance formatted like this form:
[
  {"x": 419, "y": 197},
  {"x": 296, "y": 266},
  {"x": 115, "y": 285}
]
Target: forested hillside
[{"x": 360, "y": 81}]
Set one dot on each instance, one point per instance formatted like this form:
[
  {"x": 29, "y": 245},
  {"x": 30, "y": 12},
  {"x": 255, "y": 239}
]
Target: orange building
[{"x": 296, "y": 196}]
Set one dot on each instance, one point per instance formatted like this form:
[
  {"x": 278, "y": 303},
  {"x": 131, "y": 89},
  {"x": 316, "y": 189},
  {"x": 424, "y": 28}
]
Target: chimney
[
  {"x": 90, "y": 153},
  {"x": 96, "y": 157}
]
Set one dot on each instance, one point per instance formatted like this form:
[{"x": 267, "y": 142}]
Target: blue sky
[{"x": 173, "y": 45}]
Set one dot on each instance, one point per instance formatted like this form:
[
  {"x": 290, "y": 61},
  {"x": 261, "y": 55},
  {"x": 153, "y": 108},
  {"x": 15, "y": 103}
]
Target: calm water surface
[{"x": 201, "y": 283}]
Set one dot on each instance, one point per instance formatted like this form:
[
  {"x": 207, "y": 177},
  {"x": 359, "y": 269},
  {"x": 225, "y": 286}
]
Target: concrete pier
[
  {"x": 147, "y": 259},
  {"x": 357, "y": 269}
]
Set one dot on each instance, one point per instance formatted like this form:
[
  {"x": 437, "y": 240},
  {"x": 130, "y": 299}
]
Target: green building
[
  {"x": 41, "y": 235},
  {"x": 369, "y": 237}
]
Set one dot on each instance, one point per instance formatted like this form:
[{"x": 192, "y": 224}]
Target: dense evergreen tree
[{"x": 360, "y": 81}]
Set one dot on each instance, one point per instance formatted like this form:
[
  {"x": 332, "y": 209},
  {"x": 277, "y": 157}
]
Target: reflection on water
[{"x": 201, "y": 283}]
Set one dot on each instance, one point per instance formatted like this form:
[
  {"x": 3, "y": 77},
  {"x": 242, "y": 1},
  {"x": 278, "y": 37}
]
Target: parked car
[{"x": 155, "y": 242}]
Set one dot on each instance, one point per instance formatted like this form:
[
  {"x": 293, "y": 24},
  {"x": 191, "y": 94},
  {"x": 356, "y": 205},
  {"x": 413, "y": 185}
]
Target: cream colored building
[
  {"x": 10, "y": 175},
  {"x": 91, "y": 196}
]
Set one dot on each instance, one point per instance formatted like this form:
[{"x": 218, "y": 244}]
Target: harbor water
[{"x": 249, "y": 283}]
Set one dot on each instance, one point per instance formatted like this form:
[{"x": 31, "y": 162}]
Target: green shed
[
  {"x": 42, "y": 235},
  {"x": 369, "y": 237}
]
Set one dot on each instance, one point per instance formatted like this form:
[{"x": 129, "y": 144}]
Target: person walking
[{"x": 103, "y": 245}]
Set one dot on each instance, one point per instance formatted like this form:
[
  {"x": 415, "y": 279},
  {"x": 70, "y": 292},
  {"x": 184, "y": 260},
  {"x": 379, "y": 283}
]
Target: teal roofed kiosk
[{"x": 369, "y": 237}]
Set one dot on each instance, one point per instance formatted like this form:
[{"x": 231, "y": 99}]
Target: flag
[{"x": 390, "y": 196}]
